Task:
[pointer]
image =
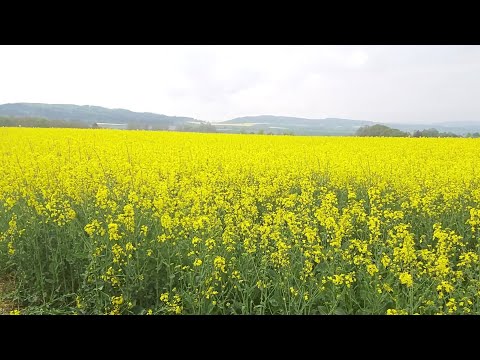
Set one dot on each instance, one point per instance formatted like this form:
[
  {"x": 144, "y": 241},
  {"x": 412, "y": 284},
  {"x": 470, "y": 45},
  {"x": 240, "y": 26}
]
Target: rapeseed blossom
[{"x": 115, "y": 222}]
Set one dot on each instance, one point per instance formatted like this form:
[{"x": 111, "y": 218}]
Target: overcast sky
[{"x": 378, "y": 83}]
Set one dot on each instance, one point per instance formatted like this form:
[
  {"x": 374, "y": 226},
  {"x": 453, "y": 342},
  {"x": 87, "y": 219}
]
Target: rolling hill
[
  {"x": 93, "y": 114},
  {"x": 285, "y": 124},
  {"x": 85, "y": 116}
]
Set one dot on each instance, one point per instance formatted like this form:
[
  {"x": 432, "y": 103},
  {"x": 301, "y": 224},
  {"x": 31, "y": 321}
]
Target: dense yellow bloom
[
  {"x": 451, "y": 305},
  {"x": 341, "y": 279},
  {"x": 406, "y": 279},
  {"x": 113, "y": 231},
  {"x": 445, "y": 286},
  {"x": 144, "y": 230},
  {"x": 117, "y": 300},
  {"x": 236, "y": 275},
  {"x": 11, "y": 249},
  {"x": 114, "y": 221},
  {"x": 110, "y": 276},
  {"x": 468, "y": 259},
  {"x": 173, "y": 303},
  {"x": 385, "y": 260},
  {"x": 372, "y": 269},
  {"x": 396, "y": 312},
  {"x": 129, "y": 247},
  {"x": 210, "y": 292},
  {"x": 219, "y": 263},
  {"x": 210, "y": 243},
  {"x": 197, "y": 262}
]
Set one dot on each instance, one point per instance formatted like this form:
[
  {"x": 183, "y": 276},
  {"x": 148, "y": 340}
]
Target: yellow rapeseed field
[{"x": 134, "y": 222}]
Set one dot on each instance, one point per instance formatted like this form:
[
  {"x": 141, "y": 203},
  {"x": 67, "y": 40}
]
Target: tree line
[
  {"x": 39, "y": 122},
  {"x": 382, "y": 130}
]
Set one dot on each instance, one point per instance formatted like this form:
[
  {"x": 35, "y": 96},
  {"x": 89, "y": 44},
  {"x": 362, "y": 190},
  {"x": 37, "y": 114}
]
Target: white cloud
[{"x": 382, "y": 83}]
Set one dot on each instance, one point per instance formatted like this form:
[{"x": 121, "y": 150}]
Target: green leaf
[
  {"x": 138, "y": 310},
  {"x": 339, "y": 311}
]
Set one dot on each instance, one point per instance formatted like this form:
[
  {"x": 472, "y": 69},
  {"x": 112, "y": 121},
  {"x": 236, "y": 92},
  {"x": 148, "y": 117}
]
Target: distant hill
[
  {"x": 93, "y": 114},
  {"x": 64, "y": 115},
  {"x": 331, "y": 126},
  {"x": 285, "y": 124}
]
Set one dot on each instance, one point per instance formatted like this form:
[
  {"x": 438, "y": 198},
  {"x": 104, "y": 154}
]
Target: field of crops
[{"x": 126, "y": 222}]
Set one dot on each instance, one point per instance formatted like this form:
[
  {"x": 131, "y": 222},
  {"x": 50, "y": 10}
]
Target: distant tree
[
  {"x": 430, "y": 133},
  {"x": 380, "y": 130},
  {"x": 448, "y": 134},
  {"x": 433, "y": 133},
  {"x": 207, "y": 128}
]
